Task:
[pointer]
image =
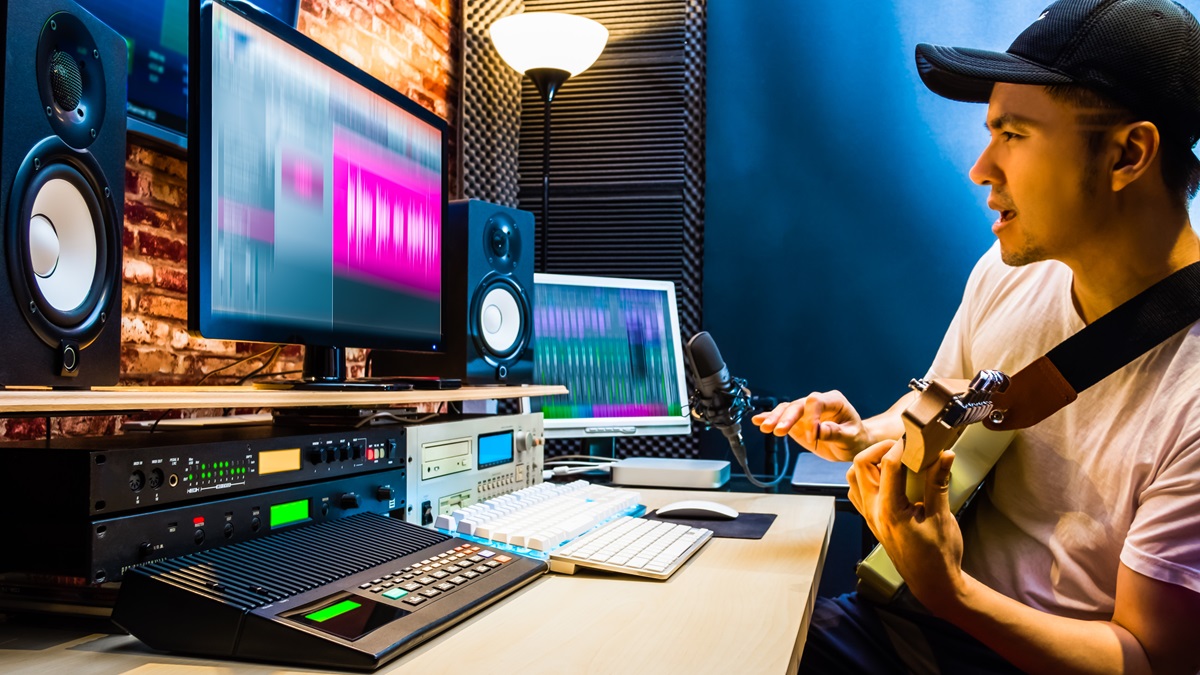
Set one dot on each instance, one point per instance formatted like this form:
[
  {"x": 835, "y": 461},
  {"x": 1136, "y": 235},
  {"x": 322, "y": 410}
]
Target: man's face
[{"x": 1045, "y": 184}]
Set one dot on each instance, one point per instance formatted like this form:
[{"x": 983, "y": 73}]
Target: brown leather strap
[{"x": 1033, "y": 394}]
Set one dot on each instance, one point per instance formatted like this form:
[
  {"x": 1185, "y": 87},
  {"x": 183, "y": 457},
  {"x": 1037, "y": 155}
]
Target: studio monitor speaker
[
  {"x": 62, "y": 146},
  {"x": 499, "y": 291},
  {"x": 487, "y": 300}
]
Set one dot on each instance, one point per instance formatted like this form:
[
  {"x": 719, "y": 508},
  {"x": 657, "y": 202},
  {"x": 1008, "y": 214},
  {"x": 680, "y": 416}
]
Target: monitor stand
[
  {"x": 325, "y": 370},
  {"x": 604, "y": 446}
]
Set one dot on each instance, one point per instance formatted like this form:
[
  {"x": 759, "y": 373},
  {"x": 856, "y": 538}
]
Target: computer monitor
[
  {"x": 156, "y": 34},
  {"x": 317, "y": 197},
  {"x": 615, "y": 345}
]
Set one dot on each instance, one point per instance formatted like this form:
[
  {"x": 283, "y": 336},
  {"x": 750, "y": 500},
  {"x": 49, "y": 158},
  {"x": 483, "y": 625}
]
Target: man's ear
[{"x": 1137, "y": 145}]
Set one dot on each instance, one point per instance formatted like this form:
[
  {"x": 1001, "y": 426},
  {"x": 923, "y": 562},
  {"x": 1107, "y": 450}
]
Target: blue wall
[{"x": 840, "y": 223}]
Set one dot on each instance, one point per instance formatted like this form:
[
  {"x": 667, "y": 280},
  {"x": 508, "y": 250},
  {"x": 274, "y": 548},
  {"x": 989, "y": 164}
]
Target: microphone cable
[{"x": 721, "y": 401}]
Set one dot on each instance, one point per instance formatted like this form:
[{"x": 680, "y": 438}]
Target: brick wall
[{"x": 409, "y": 44}]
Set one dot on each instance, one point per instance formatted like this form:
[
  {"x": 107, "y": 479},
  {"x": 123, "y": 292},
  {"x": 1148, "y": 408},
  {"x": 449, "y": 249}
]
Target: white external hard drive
[{"x": 667, "y": 472}]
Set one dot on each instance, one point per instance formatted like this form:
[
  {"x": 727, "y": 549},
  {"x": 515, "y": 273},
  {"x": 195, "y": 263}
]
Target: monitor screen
[
  {"x": 319, "y": 195},
  {"x": 156, "y": 34},
  {"x": 615, "y": 345}
]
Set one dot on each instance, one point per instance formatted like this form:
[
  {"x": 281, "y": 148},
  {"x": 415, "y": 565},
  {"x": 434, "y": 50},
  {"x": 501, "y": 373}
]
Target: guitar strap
[{"x": 1048, "y": 384}]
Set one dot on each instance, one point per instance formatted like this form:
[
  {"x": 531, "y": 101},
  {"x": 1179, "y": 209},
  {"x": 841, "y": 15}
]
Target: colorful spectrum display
[{"x": 613, "y": 348}]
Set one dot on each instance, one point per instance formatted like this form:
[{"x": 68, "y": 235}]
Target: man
[{"x": 1083, "y": 553}]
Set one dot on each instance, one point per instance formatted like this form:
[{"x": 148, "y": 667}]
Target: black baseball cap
[{"x": 1143, "y": 54}]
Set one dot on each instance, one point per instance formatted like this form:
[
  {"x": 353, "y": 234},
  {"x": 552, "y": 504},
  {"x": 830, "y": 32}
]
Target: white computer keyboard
[
  {"x": 551, "y": 519},
  {"x": 646, "y": 548}
]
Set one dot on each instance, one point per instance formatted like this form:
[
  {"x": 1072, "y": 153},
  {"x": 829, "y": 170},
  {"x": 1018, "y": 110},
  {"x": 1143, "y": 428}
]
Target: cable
[
  {"x": 154, "y": 427},
  {"x": 593, "y": 465},
  {"x": 393, "y": 417},
  {"x": 265, "y": 366},
  {"x": 589, "y": 458},
  {"x": 570, "y": 470},
  {"x": 268, "y": 350},
  {"x": 262, "y": 375},
  {"x": 739, "y": 453}
]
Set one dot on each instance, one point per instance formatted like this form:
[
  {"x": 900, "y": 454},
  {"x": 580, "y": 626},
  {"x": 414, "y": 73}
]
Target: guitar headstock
[{"x": 943, "y": 410}]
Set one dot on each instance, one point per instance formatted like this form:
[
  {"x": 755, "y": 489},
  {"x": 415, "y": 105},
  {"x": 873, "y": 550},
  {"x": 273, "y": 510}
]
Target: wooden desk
[
  {"x": 122, "y": 399},
  {"x": 738, "y": 606}
]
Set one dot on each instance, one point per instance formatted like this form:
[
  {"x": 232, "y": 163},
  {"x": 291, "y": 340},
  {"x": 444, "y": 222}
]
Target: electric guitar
[{"x": 943, "y": 416}]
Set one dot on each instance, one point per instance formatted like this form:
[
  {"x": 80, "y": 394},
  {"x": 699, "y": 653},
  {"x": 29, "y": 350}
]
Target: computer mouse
[{"x": 697, "y": 509}]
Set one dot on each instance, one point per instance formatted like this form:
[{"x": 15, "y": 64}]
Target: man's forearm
[
  {"x": 888, "y": 425},
  {"x": 1038, "y": 642}
]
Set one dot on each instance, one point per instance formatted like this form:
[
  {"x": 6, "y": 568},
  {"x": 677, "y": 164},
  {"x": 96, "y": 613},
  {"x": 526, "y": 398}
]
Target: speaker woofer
[
  {"x": 501, "y": 323},
  {"x": 70, "y": 79},
  {"x": 62, "y": 244}
]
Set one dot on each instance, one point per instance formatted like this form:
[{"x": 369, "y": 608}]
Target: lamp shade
[{"x": 548, "y": 40}]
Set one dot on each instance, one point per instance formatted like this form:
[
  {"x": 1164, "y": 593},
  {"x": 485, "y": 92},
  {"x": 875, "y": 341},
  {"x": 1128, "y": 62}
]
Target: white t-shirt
[{"x": 1114, "y": 476}]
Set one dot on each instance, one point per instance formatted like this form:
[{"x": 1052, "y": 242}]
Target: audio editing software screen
[
  {"x": 327, "y": 198},
  {"x": 615, "y": 345}
]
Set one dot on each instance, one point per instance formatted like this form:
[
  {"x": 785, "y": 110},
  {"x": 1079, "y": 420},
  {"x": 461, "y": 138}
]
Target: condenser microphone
[
  {"x": 721, "y": 400},
  {"x": 719, "y": 397}
]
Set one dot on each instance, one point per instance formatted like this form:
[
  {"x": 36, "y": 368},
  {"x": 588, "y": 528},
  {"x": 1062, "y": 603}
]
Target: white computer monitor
[{"x": 615, "y": 344}]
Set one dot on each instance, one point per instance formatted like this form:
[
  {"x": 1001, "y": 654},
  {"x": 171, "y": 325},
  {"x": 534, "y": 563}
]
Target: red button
[{"x": 503, "y": 558}]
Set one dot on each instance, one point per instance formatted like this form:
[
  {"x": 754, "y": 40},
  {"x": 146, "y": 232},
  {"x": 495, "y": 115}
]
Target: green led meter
[{"x": 291, "y": 512}]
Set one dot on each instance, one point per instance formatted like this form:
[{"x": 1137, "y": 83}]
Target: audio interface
[
  {"x": 457, "y": 463},
  {"x": 98, "y": 477},
  {"x": 102, "y": 550}
]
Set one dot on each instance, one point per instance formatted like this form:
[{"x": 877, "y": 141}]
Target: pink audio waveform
[
  {"x": 301, "y": 177},
  {"x": 387, "y": 217},
  {"x": 245, "y": 220}
]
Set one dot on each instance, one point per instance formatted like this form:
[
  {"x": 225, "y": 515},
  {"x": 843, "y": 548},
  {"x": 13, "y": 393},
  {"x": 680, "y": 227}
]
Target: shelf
[{"x": 37, "y": 402}]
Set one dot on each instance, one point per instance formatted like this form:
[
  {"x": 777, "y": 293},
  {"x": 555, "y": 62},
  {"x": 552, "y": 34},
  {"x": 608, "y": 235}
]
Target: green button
[{"x": 395, "y": 594}]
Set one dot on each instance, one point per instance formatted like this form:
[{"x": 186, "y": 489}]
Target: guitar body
[{"x": 975, "y": 453}]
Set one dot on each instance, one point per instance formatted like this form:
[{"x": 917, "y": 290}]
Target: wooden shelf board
[{"x": 34, "y": 402}]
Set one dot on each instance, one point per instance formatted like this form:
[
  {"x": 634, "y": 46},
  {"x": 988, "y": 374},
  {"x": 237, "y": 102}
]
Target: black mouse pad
[{"x": 745, "y": 526}]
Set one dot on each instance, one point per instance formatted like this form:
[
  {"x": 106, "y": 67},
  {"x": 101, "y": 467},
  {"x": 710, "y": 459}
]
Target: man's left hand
[{"x": 923, "y": 539}]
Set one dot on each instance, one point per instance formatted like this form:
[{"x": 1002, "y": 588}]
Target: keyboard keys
[
  {"x": 576, "y": 523},
  {"x": 633, "y": 546}
]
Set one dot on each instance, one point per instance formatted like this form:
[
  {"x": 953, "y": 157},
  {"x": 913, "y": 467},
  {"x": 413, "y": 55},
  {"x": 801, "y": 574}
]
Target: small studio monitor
[
  {"x": 487, "y": 300},
  {"x": 62, "y": 145},
  {"x": 499, "y": 291}
]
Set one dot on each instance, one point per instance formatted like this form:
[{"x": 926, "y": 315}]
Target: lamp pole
[{"x": 547, "y": 81}]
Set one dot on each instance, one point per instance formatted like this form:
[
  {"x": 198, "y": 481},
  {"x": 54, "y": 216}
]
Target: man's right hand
[{"x": 824, "y": 423}]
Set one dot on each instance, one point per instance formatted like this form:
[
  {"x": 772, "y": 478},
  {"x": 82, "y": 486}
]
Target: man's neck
[{"x": 1147, "y": 254}]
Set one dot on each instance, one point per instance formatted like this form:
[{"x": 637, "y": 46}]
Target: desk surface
[{"x": 737, "y": 606}]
